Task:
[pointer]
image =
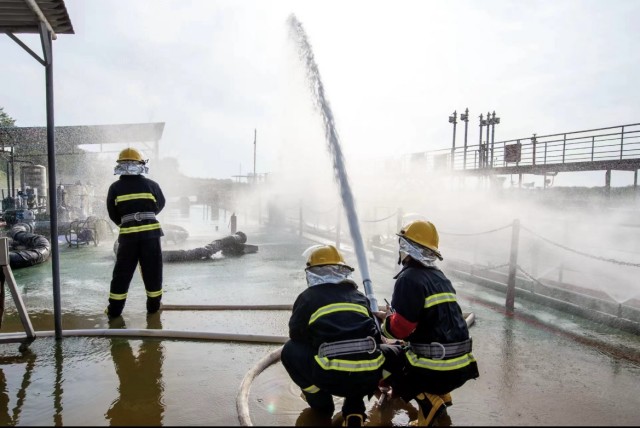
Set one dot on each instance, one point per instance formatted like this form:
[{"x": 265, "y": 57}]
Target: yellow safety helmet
[
  {"x": 326, "y": 255},
  {"x": 130, "y": 154},
  {"x": 423, "y": 233}
]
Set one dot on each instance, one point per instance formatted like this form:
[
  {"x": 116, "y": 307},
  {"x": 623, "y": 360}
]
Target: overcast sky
[{"x": 214, "y": 71}]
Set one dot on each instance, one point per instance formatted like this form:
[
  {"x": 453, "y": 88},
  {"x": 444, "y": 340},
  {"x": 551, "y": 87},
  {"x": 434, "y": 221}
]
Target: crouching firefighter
[
  {"x": 333, "y": 346},
  {"x": 425, "y": 314}
]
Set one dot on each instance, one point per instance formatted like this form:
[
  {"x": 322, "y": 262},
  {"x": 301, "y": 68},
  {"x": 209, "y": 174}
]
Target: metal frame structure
[
  {"x": 70, "y": 138},
  {"x": 7, "y": 277},
  {"x": 46, "y": 18},
  {"x": 600, "y": 149}
]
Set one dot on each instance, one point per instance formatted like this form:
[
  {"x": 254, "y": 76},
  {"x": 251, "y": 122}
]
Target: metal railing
[{"x": 616, "y": 143}]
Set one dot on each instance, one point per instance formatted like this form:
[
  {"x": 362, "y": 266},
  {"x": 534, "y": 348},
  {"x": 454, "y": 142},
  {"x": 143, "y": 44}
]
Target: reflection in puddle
[
  {"x": 140, "y": 400},
  {"x": 275, "y": 400}
]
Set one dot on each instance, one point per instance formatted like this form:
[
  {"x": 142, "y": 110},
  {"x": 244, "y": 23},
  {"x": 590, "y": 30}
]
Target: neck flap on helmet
[
  {"x": 130, "y": 168},
  {"x": 417, "y": 252},
  {"x": 329, "y": 274}
]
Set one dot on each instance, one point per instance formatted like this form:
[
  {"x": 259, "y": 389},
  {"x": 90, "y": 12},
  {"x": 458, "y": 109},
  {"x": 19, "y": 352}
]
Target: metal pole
[
  {"x": 452, "y": 119},
  {"x": 621, "y": 143},
  {"x": 465, "y": 117},
  {"x": 45, "y": 37},
  {"x": 255, "y": 135},
  {"x": 513, "y": 265},
  {"x": 486, "y": 147},
  {"x": 13, "y": 177},
  {"x": 493, "y": 133},
  {"x": 480, "y": 155},
  {"x": 8, "y": 180},
  {"x": 635, "y": 184}
]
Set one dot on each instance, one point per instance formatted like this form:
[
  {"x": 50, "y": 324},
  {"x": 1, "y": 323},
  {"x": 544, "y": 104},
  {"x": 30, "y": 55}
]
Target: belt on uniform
[
  {"x": 345, "y": 347},
  {"x": 139, "y": 216},
  {"x": 438, "y": 351}
]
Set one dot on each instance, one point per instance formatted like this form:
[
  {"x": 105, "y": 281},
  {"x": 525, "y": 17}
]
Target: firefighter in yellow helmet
[
  {"x": 426, "y": 316},
  {"x": 334, "y": 342},
  {"x": 133, "y": 201}
]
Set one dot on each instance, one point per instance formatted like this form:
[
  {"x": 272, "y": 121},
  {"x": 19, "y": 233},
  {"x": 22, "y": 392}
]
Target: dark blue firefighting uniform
[
  {"x": 428, "y": 318},
  {"x": 326, "y": 314},
  {"x": 132, "y": 203}
]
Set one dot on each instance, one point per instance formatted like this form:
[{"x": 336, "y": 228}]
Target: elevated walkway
[{"x": 601, "y": 149}]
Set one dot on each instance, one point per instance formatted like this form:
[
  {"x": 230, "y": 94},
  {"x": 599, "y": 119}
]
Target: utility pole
[
  {"x": 480, "y": 146},
  {"x": 255, "y": 134},
  {"x": 488, "y": 122},
  {"x": 493, "y": 122},
  {"x": 465, "y": 118},
  {"x": 452, "y": 119}
]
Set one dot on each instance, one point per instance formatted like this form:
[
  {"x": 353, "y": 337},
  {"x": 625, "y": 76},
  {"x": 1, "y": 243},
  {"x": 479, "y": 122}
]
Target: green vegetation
[{"x": 5, "y": 119}]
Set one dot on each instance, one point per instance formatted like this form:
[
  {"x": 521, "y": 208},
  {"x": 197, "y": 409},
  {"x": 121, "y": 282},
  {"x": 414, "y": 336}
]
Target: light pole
[
  {"x": 486, "y": 146},
  {"x": 481, "y": 149},
  {"x": 465, "y": 118},
  {"x": 255, "y": 136},
  {"x": 493, "y": 122},
  {"x": 452, "y": 119}
]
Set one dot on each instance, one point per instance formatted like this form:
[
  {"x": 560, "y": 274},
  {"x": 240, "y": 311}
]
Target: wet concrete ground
[{"x": 538, "y": 367}]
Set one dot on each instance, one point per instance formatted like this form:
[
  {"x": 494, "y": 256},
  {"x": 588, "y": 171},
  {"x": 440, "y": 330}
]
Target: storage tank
[{"x": 35, "y": 177}]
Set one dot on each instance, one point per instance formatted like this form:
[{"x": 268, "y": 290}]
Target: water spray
[{"x": 333, "y": 144}]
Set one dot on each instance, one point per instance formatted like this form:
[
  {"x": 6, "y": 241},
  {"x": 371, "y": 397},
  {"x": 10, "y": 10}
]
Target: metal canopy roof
[
  {"x": 24, "y": 16},
  {"x": 46, "y": 18},
  {"x": 88, "y": 134},
  {"x": 68, "y": 139}
]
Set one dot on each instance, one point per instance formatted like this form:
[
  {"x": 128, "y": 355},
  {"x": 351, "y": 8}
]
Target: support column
[
  {"x": 513, "y": 264},
  {"x": 635, "y": 184}
]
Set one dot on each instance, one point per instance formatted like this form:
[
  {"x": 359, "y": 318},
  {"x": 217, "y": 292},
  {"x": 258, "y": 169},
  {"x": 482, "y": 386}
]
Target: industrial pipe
[
  {"x": 36, "y": 9},
  {"x": 232, "y": 245},
  {"x": 286, "y": 307},
  {"x": 159, "y": 333}
]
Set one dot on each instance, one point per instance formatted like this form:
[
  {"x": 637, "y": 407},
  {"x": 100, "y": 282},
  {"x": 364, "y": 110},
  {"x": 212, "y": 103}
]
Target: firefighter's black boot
[{"x": 320, "y": 401}]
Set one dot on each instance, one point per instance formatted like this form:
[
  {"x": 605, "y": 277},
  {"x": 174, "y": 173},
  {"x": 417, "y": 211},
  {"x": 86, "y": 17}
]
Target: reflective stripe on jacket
[
  {"x": 425, "y": 297},
  {"x": 132, "y": 194},
  {"x": 331, "y": 313}
]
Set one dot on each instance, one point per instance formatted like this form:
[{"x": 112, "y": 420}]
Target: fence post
[
  {"x": 513, "y": 264},
  {"x": 562, "y": 259},
  {"x": 233, "y": 222},
  {"x": 621, "y": 143},
  {"x": 300, "y": 217}
]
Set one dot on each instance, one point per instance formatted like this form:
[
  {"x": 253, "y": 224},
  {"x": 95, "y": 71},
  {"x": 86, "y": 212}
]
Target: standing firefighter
[
  {"x": 333, "y": 347},
  {"x": 425, "y": 314},
  {"x": 132, "y": 203}
]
